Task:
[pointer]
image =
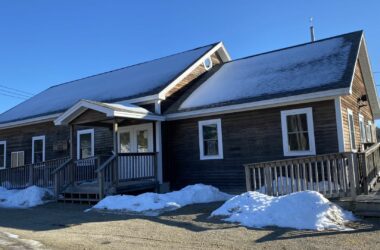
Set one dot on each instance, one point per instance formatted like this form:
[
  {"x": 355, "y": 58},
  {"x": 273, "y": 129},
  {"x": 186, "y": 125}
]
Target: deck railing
[
  {"x": 333, "y": 175},
  {"x": 126, "y": 167},
  {"x": 38, "y": 174},
  {"x": 369, "y": 167}
]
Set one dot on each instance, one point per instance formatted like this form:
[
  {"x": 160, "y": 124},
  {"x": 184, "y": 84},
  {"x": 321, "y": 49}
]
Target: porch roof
[{"x": 125, "y": 110}]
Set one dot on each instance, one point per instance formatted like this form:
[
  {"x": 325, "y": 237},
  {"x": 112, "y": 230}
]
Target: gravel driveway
[{"x": 66, "y": 226}]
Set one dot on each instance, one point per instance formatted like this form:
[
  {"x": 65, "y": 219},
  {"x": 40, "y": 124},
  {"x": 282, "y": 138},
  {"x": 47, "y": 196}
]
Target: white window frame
[
  {"x": 349, "y": 112},
  {"x": 18, "y": 152},
  {"x": 83, "y": 132},
  {"x": 5, "y": 154},
  {"x": 218, "y": 124},
  {"x": 363, "y": 136},
  {"x": 310, "y": 131},
  {"x": 204, "y": 63},
  {"x": 38, "y": 138}
]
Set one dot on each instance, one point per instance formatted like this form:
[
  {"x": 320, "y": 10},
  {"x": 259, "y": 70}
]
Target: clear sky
[{"x": 43, "y": 43}]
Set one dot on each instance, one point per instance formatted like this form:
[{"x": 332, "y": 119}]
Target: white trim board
[
  {"x": 310, "y": 130},
  {"x": 299, "y": 99},
  {"x": 339, "y": 124},
  {"x": 351, "y": 140},
  {"x": 5, "y": 154},
  {"x": 37, "y": 138},
  {"x": 82, "y": 132},
  {"x": 30, "y": 121}
]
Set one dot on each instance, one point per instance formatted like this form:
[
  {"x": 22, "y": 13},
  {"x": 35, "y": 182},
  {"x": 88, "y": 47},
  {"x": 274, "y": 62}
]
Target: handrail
[
  {"x": 371, "y": 149},
  {"x": 137, "y": 154},
  {"x": 311, "y": 157},
  {"x": 104, "y": 165},
  {"x": 61, "y": 166},
  {"x": 87, "y": 159}
]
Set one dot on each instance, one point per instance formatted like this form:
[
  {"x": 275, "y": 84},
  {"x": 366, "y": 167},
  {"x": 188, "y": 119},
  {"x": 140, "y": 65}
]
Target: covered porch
[{"x": 114, "y": 148}]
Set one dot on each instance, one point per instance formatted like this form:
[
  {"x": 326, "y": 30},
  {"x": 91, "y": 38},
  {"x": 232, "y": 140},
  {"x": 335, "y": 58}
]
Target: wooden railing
[
  {"x": 333, "y": 175},
  {"x": 38, "y": 174},
  {"x": 126, "y": 167},
  {"x": 63, "y": 176},
  {"x": 369, "y": 167},
  {"x": 84, "y": 169}
]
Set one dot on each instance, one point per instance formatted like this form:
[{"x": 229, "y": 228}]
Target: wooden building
[{"x": 192, "y": 117}]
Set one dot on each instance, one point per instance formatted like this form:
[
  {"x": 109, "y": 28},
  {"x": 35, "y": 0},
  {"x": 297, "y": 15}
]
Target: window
[
  {"x": 369, "y": 132},
  {"x": 362, "y": 129},
  {"x": 17, "y": 159},
  {"x": 3, "y": 154},
  {"x": 210, "y": 139},
  {"x": 207, "y": 63},
  {"x": 351, "y": 128},
  {"x": 298, "y": 132},
  {"x": 85, "y": 143},
  {"x": 38, "y": 149}
]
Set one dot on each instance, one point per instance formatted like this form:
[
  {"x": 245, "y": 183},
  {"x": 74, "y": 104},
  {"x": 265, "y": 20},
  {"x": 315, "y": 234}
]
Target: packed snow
[
  {"x": 154, "y": 204},
  {"x": 24, "y": 198},
  {"x": 127, "y": 83},
  {"x": 301, "y": 210},
  {"x": 313, "y": 65}
]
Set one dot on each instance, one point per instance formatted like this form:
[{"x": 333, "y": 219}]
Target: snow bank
[
  {"x": 301, "y": 210},
  {"x": 24, "y": 198},
  {"x": 154, "y": 204}
]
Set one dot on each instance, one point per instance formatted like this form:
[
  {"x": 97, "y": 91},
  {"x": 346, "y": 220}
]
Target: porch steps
[{"x": 80, "y": 198}]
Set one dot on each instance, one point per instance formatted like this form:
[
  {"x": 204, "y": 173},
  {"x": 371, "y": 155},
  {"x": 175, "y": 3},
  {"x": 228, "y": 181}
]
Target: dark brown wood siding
[
  {"x": 20, "y": 139},
  {"x": 350, "y": 102},
  {"x": 248, "y": 137}
]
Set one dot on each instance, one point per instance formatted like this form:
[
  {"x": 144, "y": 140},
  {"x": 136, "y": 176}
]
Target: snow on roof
[
  {"x": 130, "y": 82},
  {"x": 321, "y": 65}
]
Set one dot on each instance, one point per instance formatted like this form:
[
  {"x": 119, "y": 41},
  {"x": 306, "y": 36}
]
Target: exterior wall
[
  {"x": 251, "y": 136},
  {"x": 350, "y": 101},
  {"x": 20, "y": 139}
]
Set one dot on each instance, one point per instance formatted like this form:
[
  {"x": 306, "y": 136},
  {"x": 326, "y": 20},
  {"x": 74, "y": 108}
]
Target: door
[{"x": 133, "y": 139}]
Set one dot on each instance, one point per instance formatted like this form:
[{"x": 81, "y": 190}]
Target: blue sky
[{"x": 43, "y": 43}]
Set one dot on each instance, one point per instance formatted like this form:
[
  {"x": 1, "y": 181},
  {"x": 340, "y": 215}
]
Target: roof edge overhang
[
  {"x": 29, "y": 121},
  {"x": 223, "y": 53},
  {"x": 368, "y": 78},
  {"x": 290, "y": 100},
  {"x": 84, "y": 105}
]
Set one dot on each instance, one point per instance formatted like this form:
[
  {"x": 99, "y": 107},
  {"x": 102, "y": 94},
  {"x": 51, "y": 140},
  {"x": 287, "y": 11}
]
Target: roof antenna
[{"x": 312, "y": 30}]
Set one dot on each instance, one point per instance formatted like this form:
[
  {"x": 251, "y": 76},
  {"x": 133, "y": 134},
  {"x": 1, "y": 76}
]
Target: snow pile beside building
[
  {"x": 24, "y": 198},
  {"x": 301, "y": 210},
  {"x": 154, "y": 204}
]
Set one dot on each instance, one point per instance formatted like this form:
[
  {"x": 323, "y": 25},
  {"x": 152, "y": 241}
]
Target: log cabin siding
[
  {"x": 350, "y": 102},
  {"x": 20, "y": 139},
  {"x": 248, "y": 137}
]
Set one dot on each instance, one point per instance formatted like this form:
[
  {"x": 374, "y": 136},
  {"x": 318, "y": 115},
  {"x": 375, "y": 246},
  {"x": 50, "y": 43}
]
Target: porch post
[
  {"x": 157, "y": 109},
  {"x": 116, "y": 151},
  {"x": 72, "y": 138}
]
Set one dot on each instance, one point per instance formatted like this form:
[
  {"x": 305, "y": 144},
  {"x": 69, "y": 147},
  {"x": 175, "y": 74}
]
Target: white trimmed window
[
  {"x": 351, "y": 127},
  {"x": 370, "y": 132},
  {"x": 363, "y": 138},
  {"x": 3, "y": 154},
  {"x": 298, "y": 132},
  {"x": 210, "y": 139},
  {"x": 17, "y": 159},
  {"x": 85, "y": 143},
  {"x": 38, "y": 149}
]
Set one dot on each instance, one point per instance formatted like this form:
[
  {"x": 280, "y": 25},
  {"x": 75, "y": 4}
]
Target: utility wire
[
  {"x": 14, "y": 93},
  {"x": 17, "y": 90},
  {"x": 18, "y": 97}
]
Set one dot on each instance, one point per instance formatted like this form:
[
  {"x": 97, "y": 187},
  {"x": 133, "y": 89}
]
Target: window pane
[
  {"x": 85, "y": 146},
  {"x": 296, "y": 123},
  {"x": 299, "y": 141},
  {"x": 352, "y": 132},
  {"x": 125, "y": 142},
  {"x": 210, "y": 147},
  {"x": 210, "y": 132},
  {"x": 142, "y": 141},
  {"x": 38, "y": 144}
]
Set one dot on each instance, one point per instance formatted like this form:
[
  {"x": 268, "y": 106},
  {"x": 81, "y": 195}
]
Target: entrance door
[
  {"x": 133, "y": 139},
  {"x": 136, "y": 139}
]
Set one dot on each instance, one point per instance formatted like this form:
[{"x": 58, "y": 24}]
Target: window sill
[
  {"x": 299, "y": 153},
  {"x": 216, "y": 157}
]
